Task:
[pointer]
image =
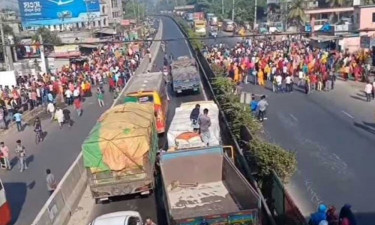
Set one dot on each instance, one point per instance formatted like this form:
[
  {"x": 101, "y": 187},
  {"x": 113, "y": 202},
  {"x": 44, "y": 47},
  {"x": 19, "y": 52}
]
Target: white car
[{"x": 119, "y": 218}]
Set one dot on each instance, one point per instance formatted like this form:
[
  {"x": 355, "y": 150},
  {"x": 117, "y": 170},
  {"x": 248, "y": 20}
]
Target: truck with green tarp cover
[
  {"x": 213, "y": 191},
  {"x": 120, "y": 151}
]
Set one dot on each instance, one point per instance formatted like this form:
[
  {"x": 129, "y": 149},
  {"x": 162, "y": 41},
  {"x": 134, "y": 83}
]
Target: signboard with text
[{"x": 50, "y": 12}]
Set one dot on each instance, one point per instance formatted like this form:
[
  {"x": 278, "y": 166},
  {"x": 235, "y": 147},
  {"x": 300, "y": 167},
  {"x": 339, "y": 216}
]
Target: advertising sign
[{"x": 50, "y": 12}]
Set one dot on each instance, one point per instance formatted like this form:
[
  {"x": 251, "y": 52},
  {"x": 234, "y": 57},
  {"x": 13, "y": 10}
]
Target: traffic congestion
[{"x": 162, "y": 125}]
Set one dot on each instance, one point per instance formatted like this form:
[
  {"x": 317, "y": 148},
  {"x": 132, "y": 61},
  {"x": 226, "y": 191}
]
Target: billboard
[{"x": 51, "y": 12}]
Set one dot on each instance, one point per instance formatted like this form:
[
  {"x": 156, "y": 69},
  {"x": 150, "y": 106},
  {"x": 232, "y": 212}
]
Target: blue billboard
[{"x": 50, "y": 12}]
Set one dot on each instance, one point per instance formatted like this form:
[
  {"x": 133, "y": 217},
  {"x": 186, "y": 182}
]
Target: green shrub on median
[{"x": 267, "y": 156}]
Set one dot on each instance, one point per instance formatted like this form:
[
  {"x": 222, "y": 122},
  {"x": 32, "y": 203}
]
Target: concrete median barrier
[{"x": 60, "y": 206}]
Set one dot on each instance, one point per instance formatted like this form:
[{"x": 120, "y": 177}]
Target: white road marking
[
  {"x": 350, "y": 116},
  {"x": 293, "y": 117}
]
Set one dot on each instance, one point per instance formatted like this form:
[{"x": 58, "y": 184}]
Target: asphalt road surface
[
  {"x": 333, "y": 137},
  {"x": 27, "y": 191},
  {"x": 148, "y": 206}
]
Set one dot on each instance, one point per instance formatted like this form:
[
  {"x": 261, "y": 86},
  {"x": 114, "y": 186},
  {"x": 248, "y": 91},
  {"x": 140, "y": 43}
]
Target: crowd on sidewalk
[
  {"x": 288, "y": 62},
  {"x": 110, "y": 66}
]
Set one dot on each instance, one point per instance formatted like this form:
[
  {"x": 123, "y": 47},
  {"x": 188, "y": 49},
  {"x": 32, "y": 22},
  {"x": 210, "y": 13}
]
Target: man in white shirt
[
  {"x": 51, "y": 110},
  {"x": 68, "y": 95},
  {"x": 76, "y": 93},
  {"x": 368, "y": 91},
  {"x": 279, "y": 81}
]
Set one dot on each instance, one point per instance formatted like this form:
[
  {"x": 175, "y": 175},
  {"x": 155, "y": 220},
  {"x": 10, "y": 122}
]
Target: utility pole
[
  {"x": 233, "y": 10},
  {"x": 222, "y": 7},
  {"x": 42, "y": 56},
  {"x": 6, "y": 61},
  {"x": 255, "y": 13}
]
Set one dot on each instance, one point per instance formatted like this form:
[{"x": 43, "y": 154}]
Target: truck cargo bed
[
  {"x": 205, "y": 199},
  {"x": 204, "y": 182}
]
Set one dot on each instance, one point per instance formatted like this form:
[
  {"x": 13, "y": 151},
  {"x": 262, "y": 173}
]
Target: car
[{"x": 119, "y": 218}]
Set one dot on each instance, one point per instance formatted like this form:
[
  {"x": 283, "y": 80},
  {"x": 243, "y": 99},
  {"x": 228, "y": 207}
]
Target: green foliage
[
  {"x": 272, "y": 157},
  {"x": 296, "y": 12},
  {"x": 47, "y": 36},
  {"x": 268, "y": 156},
  {"x": 194, "y": 38},
  {"x": 134, "y": 10}
]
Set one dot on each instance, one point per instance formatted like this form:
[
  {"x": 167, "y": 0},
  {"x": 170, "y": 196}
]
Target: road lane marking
[
  {"x": 350, "y": 116},
  {"x": 293, "y": 117}
]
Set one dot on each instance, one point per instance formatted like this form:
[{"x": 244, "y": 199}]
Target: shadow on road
[
  {"x": 358, "y": 98},
  {"x": 365, "y": 127},
  {"x": 16, "y": 195}
]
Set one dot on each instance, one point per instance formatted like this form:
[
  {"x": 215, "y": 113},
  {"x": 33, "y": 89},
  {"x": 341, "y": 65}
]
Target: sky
[{"x": 9, "y": 4}]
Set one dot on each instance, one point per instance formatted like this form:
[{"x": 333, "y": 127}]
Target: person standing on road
[
  {"x": 204, "y": 122},
  {"x": 368, "y": 91},
  {"x": 69, "y": 96},
  {"x": 21, "y": 152},
  {"x": 288, "y": 83},
  {"x": 18, "y": 118},
  {"x": 262, "y": 107},
  {"x": 5, "y": 152},
  {"x": 51, "y": 110},
  {"x": 60, "y": 117},
  {"x": 78, "y": 106},
  {"x": 100, "y": 97},
  {"x": 346, "y": 216},
  {"x": 51, "y": 182}
]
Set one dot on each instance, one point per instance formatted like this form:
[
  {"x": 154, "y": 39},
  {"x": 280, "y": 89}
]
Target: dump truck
[
  {"x": 185, "y": 75},
  {"x": 181, "y": 133},
  {"x": 213, "y": 191},
  {"x": 120, "y": 151}
]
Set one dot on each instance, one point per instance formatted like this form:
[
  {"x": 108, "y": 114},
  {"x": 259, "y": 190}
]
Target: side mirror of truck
[{"x": 229, "y": 151}]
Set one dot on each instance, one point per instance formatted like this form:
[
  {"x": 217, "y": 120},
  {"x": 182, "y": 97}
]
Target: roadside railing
[{"x": 61, "y": 204}]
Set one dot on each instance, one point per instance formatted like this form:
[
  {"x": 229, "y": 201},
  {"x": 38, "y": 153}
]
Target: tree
[
  {"x": 296, "y": 13},
  {"x": 48, "y": 37},
  {"x": 338, "y": 3}
]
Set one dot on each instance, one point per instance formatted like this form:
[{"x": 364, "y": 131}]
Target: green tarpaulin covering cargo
[{"x": 121, "y": 140}]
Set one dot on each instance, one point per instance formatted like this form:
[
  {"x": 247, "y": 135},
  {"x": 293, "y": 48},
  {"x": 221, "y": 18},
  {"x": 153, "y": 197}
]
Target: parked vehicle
[
  {"x": 213, "y": 21},
  {"x": 200, "y": 27},
  {"x": 5, "y": 212},
  {"x": 119, "y": 218},
  {"x": 150, "y": 87},
  {"x": 228, "y": 25},
  {"x": 189, "y": 17},
  {"x": 213, "y": 191},
  {"x": 185, "y": 75},
  {"x": 119, "y": 153}
]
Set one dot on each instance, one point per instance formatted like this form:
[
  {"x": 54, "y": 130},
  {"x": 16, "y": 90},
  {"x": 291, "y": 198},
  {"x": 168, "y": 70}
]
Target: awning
[
  {"x": 88, "y": 46},
  {"x": 66, "y": 55}
]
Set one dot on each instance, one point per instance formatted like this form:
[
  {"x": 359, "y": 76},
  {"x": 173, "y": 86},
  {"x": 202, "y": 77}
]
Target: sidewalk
[{"x": 82, "y": 212}]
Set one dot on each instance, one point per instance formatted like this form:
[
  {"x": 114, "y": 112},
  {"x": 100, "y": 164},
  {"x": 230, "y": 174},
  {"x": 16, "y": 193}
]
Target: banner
[{"x": 51, "y": 12}]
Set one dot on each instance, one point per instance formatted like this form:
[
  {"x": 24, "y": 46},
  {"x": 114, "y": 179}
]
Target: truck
[
  {"x": 213, "y": 191},
  {"x": 120, "y": 151},
  {"x": 181, "y": 134},
  {"x": 184, "y": 75}
]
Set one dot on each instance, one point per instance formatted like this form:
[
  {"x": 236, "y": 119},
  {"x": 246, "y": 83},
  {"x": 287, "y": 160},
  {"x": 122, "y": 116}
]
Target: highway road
[
  {"x": 332, "y": 134},
  {"x": 148, "y": 207}
]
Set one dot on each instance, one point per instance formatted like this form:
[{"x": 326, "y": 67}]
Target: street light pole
[
  {"x": 255, "y": 13},
  {"x": 6, "y": 62},
  {"x": 222, "y": 7},
  {"x": 233, "y": 10}
]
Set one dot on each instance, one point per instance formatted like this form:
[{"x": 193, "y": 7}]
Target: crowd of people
[
  {"x": 289, "y": 62},
  {"x": 329, "y": 216},
  {"x": 106, "y": 69}
]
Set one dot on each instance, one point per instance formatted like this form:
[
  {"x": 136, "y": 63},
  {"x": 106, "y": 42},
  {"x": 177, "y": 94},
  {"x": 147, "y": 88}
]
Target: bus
[
  {"x": 150, "y": 87},
  {"x": 5, "y": 213},
  {"x": 200, "y": 27},
  {"x": 228, "y": 25}
]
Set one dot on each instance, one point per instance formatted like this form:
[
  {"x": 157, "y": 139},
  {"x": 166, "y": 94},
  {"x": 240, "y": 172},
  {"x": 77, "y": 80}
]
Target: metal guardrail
[{"x": 60, "y": 205}]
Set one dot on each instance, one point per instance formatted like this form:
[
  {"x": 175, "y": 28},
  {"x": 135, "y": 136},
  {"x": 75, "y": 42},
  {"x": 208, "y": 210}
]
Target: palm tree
[{"x": 296, "y": 12}]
